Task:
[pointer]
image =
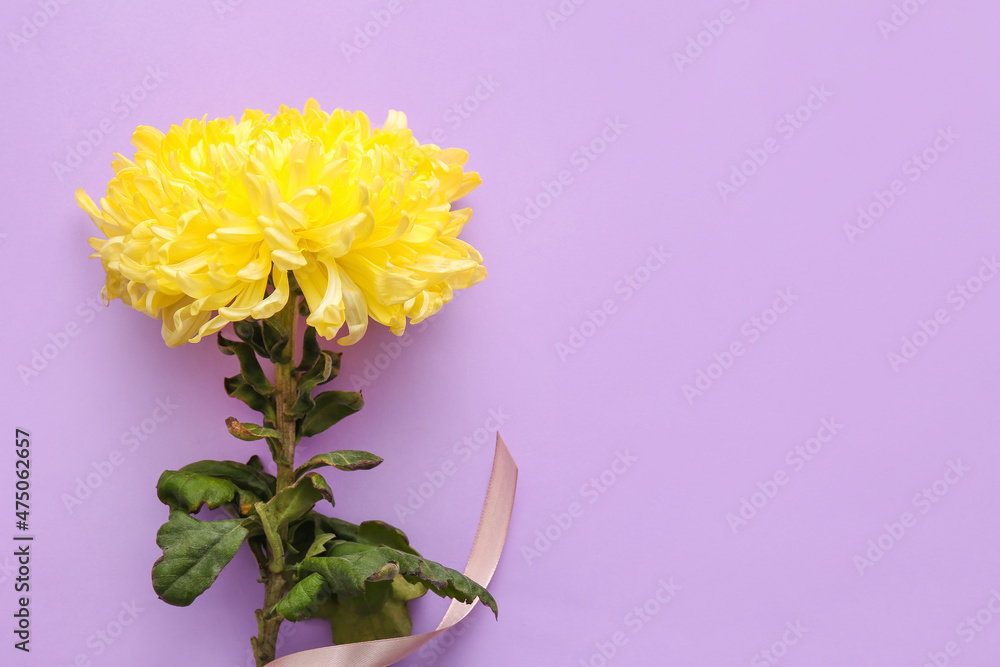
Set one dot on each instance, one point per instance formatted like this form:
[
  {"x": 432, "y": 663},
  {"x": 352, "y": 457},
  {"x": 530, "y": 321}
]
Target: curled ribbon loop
[{"x": 486, "y": 550}]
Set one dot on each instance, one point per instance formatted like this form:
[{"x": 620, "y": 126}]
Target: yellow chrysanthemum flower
[{"x": 203, "y": 226}]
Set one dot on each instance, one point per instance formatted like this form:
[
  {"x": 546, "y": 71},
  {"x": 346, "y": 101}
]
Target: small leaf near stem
[
  {"x": 274, "y": 543},
  {"x": 248, "y": 431},
  {"x": 344, "y": 459}
]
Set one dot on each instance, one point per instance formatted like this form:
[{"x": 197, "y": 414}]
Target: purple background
[{"x": 682, "y": 128}]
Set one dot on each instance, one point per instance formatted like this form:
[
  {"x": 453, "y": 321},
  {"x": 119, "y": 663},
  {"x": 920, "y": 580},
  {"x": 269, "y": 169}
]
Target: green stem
[
  {"x": 275, "y": 580},
  {"x": 265, "y": 643},
  {"x": 285, "y": 395}
]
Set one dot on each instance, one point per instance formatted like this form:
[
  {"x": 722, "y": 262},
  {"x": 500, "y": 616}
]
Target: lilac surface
[{"x": 678, "y": 128}]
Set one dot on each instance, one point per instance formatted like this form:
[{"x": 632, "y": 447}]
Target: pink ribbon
[{"x": 486, "y": 550}]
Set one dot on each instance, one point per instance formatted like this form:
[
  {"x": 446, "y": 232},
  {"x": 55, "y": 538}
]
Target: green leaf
[
  {"x": 310, "y": 350},
  {"x": 277, "y": 563},
  {"x": 276, "y": 340},
  {"x": 248, "y": 431},
  {"x": 256, "y": 464},
  {"x": 248, "y": 476},
  {"x": 404, "y": 590},
  {"x": 376, "y": 533},
  {"x": 304, "y": 599},
  {"x": 250, "y": 367},
  {"x": 355, "y": 565},
  {"x": 343, "y": 459},
  {"x": 382, "y": 534},
  {"x": 238, "y": 387},
  {"x": 188, "y": 492},
  {"x": 331, "y": 407},
  {"x": 194, "y": 552},
  {"x": 304, "y": 540},
  {"x": 297, "y": 500},
  {"x": 381, "y": 612},
  {"x": 345, "y": 548},
  {"x": 249, "y": 331},
  {"x": 334, "y": 364},
  {"x": 324, "y": 370},
  {"x": 376, "y": 614},
  {"x": 319, "y": 544},
  {"x": 344, "y": 530},
  {"x": 214, "y": 483}
]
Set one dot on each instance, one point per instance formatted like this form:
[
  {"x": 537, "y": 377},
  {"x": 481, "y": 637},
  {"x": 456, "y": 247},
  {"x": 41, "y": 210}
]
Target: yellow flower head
[{"x": 203, "y": 226}]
